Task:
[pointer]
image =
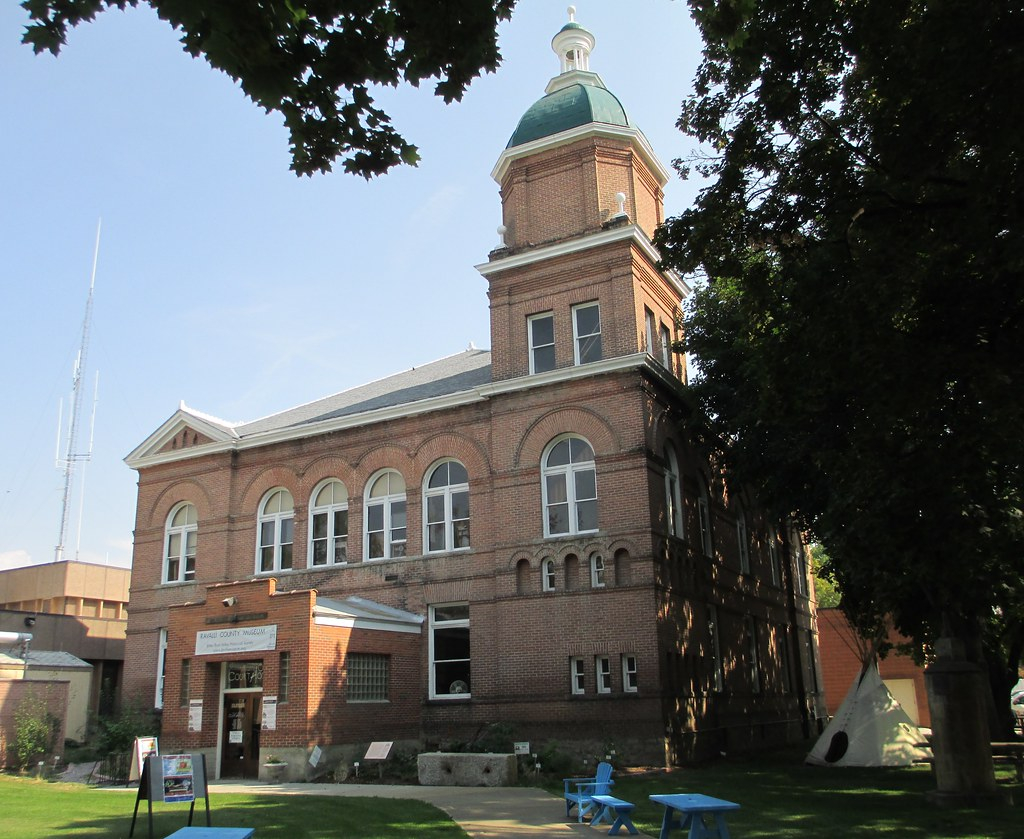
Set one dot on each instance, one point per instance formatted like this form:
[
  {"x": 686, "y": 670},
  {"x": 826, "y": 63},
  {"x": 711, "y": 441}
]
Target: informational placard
[
  {"x": 379, "y": 750},
  {"x": 195, "y": 715},
  {"x": 521, "y": 748},
  {"x": 235, "y": 737},
  {"x": 179, "y": 779},
  {"x": 248, "y": 639},
  {"x": 143, "y": 748},
  {"x": 269, "y": 713}
]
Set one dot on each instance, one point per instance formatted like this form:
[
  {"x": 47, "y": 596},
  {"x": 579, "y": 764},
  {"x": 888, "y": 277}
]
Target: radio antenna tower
[{"x": 72, "y": 456}]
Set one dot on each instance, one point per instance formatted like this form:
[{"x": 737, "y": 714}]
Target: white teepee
[{"x": 869, "y": 729}]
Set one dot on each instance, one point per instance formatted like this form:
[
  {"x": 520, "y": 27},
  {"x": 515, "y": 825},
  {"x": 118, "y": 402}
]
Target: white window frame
[
  {"x": 332, "y": 538},
  {"x": 282, "y": 523},
  {"x": 630, "y": 683},
  {"x": 534, "y": 348},
  {"x": 446, "y": 493},
  {"x": 577, "y": 676},
  {"x": 753, "y": 657},
  {"x": 597, "y": 571},
  {"x": 569, "y": 474},
  {"x": 773, "y": 559},
  {"x": 186, "y": 535},
  {"x": 799, "y": 563},
  {"x": 443, "y": 624},
  {"x": 603, "y": 673},
  {"x": 582, "y": 342},
  {"x": 396, "y": 534},
  {"x": 673, "y": 494},
  {"x": 161, "y": 667},
  {"x": 649, "y": 331},
  {"x": 549, "y": 580},
  {"x": 743, "y": 540},
  {"x": 665, "y": 335},
  {"x": 717, "y": 675},
  {"x": 704, "y": 518}
]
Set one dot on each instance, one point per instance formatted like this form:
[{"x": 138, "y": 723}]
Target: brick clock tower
[{"x": 581, "y": 194}]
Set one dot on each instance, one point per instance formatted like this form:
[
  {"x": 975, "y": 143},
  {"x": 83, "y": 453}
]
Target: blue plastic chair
[{"x": 580, "y": 792}]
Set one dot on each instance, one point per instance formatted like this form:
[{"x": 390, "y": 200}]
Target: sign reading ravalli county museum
[{"x": 247, "y": 640}]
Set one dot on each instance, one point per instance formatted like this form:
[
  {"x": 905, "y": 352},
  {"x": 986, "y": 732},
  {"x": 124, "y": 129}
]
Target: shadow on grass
[{"x": 35, "y": 809}]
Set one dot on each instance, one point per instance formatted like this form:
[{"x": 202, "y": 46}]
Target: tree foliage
[
  {"x": 35, "y": 730},
  {"x": 860, "y": 330},
  {"x": 316, "y": 61}
]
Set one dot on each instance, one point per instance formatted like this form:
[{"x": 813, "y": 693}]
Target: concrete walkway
[{"x": 483, "y": 812}]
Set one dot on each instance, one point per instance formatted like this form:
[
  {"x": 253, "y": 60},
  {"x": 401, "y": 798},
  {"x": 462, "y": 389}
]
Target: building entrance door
[{"x": 240, "y": 748}]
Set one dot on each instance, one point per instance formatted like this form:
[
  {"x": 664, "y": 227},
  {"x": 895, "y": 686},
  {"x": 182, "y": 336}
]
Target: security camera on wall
[{"x": 229, "y": 601}]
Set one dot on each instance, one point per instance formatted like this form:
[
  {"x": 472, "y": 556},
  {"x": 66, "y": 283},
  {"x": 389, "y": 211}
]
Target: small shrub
[
  {"x": 117, "y": 733},
  {"x": 35, "y": 730},
  {"x": 555, "y": 762}
]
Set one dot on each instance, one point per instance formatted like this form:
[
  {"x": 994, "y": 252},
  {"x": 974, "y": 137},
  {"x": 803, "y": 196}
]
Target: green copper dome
[{"x": 568, "y": 107}]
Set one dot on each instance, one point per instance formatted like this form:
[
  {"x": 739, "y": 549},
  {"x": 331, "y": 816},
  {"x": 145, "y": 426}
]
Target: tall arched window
[
  {"x": 276, "y": 525},
  {"x": 704, "y": 516},
  {"x": 328, "y": 531},
  {"x": 569, "y": 487},
  {"x": 384, "y": 523},
  {"x": 446, "y": 502},
  {"x": 180, "y": 544},
  {"x": 673, "y": 494},
  {"x": 547, "y": 570}
]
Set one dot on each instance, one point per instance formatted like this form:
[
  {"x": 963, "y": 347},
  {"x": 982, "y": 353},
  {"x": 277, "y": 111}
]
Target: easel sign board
[
  {"x": 379, "y": 750},
  {"x": 143, "y": 748},
  {"x": 177, "y": 778}
]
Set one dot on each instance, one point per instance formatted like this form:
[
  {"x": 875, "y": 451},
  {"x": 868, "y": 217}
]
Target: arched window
[
  {"x": 673, "y": 494},
  {"x": 180, "y": 544},
  {"x": 569, "y": 487},
  {"x": 384, "y": 530},
  {"x": 743, "y": 539},
  {"x": 276, "y": 525},
  {"x": 597, "y": 571},
  {"x": 547, "y": 571},
  {"x": 328, "y": 531},
  {"x": 446, "y": 502},
  {"x": 704, "y": 517}
]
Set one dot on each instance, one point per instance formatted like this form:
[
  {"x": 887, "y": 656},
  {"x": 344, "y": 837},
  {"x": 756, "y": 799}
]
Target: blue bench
[
  {"x": 214, "y": 833},
  {"x": 609, "y": 805}
]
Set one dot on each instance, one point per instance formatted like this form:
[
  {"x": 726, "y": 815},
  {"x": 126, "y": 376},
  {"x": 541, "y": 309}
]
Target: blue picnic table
[
  {"x": 687, "y": 812},
  {"x": 214, "y": 833}
]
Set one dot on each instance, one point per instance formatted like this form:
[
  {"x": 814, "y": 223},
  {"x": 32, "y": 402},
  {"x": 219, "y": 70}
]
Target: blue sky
[{"x": 223, "y": 279}]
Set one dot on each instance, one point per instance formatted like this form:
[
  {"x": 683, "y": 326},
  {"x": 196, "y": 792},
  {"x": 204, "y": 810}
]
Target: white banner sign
[{"x": 248, "y": 639}]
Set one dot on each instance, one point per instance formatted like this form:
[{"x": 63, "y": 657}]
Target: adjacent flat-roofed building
[{"x": 524, "y": 535}]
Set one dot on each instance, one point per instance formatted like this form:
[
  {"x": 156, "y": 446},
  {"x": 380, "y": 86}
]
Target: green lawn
[
  {"x": 39, "y": 810},
  {"x": 779, "y": 796}
]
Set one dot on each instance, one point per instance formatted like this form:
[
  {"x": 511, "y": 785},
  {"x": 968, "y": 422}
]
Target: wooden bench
[
  {"x": 609, "y": 805},
  {"x": 1010, "y": 753}
]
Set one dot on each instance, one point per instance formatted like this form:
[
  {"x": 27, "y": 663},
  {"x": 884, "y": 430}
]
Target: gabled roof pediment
[
  {"x": 360, "y": 613},
  {"x": 185, "y": 429}
]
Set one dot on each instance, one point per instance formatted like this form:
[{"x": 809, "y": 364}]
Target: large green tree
[
  {"x": 316, "y": 61},
  {"x": 860, "y": 332}
]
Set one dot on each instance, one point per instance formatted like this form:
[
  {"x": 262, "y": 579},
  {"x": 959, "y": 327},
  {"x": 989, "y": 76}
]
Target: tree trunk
[{"x": 957, "y": 691}]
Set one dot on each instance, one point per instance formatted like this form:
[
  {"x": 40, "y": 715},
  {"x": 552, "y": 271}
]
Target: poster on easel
[
  {"x": 173, "y": 779},
  {"x": 143, "y": 748}
]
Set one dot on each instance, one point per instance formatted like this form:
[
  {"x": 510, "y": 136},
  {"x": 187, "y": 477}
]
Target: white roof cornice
[
  {"x": 581, "y": 243},
  {"x": 601, "y": 129},
  {"x": 221, "y": 433},
  {"x": 148, "y": 455}
]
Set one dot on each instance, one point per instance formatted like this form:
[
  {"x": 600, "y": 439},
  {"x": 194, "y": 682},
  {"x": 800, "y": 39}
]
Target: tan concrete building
[
  {"x": 525, "y": 535},
  {"x": 74, "y": 607}
]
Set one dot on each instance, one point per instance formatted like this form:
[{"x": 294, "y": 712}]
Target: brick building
[{"x": 524, "y": 535}]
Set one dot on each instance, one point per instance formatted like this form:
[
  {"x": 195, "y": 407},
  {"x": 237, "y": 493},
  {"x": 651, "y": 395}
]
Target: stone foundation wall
[{"x": 459, "y": 769}]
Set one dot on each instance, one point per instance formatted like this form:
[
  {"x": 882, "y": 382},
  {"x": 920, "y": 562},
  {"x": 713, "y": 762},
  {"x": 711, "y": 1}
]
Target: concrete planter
[{"x": 460, "y": 769}]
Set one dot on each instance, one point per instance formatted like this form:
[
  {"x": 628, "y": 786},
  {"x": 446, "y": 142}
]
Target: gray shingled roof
[
  {"x": 454, "y": 374},
  {"x": 46, "y": 658}
]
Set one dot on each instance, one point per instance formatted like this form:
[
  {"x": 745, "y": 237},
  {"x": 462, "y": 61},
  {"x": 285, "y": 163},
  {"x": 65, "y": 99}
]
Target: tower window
[
  {"x": 541, "y": 333},
  {"x": 586, "y": 326}
]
